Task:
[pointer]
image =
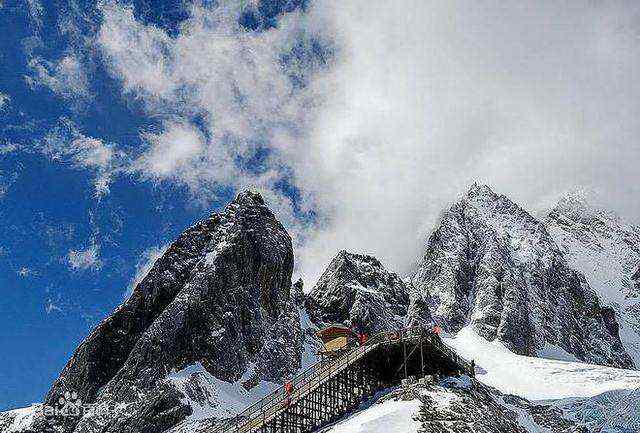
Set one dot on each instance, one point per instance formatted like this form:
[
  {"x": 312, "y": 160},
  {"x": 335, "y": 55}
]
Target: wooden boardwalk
[{"x": 328, "y": 390}]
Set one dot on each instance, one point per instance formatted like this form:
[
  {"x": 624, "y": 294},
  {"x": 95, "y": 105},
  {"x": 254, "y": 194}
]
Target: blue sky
[
  {"x": 123, "y": 122},
  {"x": 68, "y": 255}
]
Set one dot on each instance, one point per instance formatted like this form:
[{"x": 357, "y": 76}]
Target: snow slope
[
  {"x": 537, "y": 378},
  {"x": 18, "y": 420},
  {"x": 390, "y": 416},
  {"x": 210, "y": 397}
]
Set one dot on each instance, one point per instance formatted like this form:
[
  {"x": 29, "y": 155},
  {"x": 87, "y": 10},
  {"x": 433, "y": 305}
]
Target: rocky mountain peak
[
  {"x": 578, "y": 208},
  {"x": 493, "y": 266},
  {"x": 247, "y": 198},
  {"x": 606, "y": 250},
  {"x": 480, "y": 191},
  {"x": 218, "y": 299},
  {"x": 358, "y": 291},
  {"x": 350, "y": 260}
]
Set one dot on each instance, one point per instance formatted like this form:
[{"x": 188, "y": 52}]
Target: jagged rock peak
[
  {"x": 492, "y": 265},
  {"x": 218, "y": 298},
  {"x": 580, "y": 207},
  {"x": 358, "y": 291},
  {"x": 356, "y": 259},
  {"x": 247, "y": 198},
  {"x": 606, "y": 249},
  {"x": 480, "y": 190}
]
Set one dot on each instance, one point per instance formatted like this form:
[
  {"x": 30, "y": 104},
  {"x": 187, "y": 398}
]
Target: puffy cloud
[
  {"x": 229, "y": 92},
  {"x": 171, "y": 152},
  {"x": 381, "y": 113},
  {"x": 85, "y": 259},
  {"x": 522, "y": 97}
]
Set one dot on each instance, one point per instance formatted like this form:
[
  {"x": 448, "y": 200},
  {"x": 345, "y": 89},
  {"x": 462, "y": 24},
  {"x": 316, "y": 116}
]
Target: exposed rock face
[
  {"x": 358, "y": 291},
  {"x": 219, "y": 297},
  {"x": 493, "y": 266},
  {"x": 462, "y": 405},
  {"x": 106, "y": 349},
  {"x": 607, "y": 250}
]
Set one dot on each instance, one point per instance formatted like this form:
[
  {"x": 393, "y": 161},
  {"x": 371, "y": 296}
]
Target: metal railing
[{"x": 269, "y": 406}]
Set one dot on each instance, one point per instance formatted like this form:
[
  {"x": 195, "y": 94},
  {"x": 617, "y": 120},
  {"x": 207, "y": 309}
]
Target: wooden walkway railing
[{"x": 261, "y": 413}]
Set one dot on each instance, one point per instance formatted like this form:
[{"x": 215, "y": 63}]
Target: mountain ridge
[
  {"x": 216, "y": 322},
  {"x": 493, "y": 265}
]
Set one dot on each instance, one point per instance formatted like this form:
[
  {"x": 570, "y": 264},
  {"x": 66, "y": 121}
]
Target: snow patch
[
  {"x": 210, "y": 397},
  {"x": 22, "y": 418},
  {"x": 390, "y": 416},
  {"x": 537, "y": 378}
]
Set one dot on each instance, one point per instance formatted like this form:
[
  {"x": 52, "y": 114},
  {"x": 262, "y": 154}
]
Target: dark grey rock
[
  {"x": 493, "y": 266},
  {"x": 356, "y": 290},
  {"x": 476, "y": 408},
  {"x": 219, "y": 296}
]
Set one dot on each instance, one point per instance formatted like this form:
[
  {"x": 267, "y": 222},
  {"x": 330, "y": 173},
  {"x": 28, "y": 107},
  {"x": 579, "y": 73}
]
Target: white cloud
[
  {"x": 234, "y": 79},
  {"x": 8, "y": 148},
  {"x": 7, "y": 180},
  {"x": 92, "y": 152},
  {"x": 144, "y": 265},
  {"x": 85, "y": 259},
  {"x": 172, "y": 152},
  {"x": 507, "y": 93},
  {"x": 36, "y": 11},
  {"x": 66, "y": 78},
  {"x": 420, "y": 99},
  {"x": 67, "y": 143},
  {"x": 103, "y": 157},
  {"x": 51, "y": 307}
]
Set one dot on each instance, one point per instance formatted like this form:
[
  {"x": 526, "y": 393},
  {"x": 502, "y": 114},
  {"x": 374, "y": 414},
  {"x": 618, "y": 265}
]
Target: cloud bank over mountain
[{"x": 377, "y": 114}]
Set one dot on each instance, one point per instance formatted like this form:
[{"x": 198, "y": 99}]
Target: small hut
[{"x": 336, "y": 338}]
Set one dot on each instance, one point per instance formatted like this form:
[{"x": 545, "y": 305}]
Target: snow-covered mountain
[
  {"x": 356, "y": 290},
  {"x": 607, "y": 251},
  {"x": 492, "y": 265},
  {"x": 212, "y": 319},
  {"x": 216, "y": 324}
]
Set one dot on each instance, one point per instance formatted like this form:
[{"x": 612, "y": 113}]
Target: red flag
[{"x": 437, "y": 329}]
